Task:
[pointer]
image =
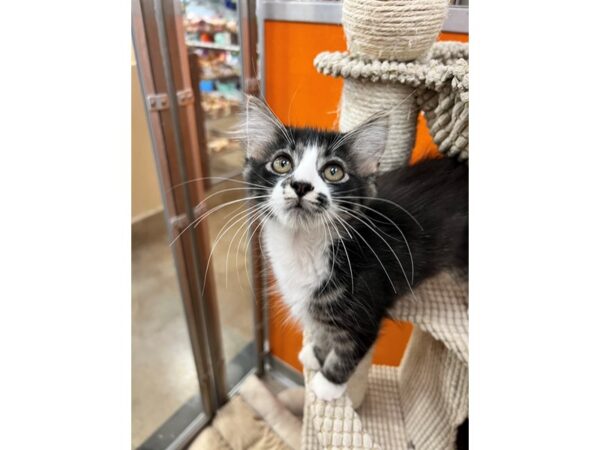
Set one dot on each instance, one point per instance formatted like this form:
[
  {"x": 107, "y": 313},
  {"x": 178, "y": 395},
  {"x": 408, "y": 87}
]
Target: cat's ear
[
  {"x": 367, "y": 142},
  {"x": 258, "y": 128}
]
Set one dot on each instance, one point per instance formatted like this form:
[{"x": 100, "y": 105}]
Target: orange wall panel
[
  {"x": 285, "y": 335},
  {"x": 301, "y": 96},
  {"x": 296, "y": 92}
]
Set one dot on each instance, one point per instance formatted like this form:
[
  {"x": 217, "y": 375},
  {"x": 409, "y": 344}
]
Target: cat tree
[{"x": 393, "y": 64}]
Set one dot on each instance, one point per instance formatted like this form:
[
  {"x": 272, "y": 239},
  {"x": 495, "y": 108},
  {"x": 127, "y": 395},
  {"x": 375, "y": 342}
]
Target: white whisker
[
  {"x": 347, "y": 256},
  {"x": 374, "y": 253},
  {"x": 333, "y": 257},
  {"x": 233, "y": 180},
  {"x": 223, "y": 233},
  {"x": 248, "y": 236},
  {"x": 385, "y": 200},
  {"x": 395, "y": 225},
  {"x": 203, "y": 216},
  {"x": 357, "y": 217},
  {"x": 247, "y": 215},
  {"x": 249, "y": 243}
]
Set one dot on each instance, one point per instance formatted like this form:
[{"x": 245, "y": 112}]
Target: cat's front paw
[
  {"x": 308, "y": 359},
  {"x": 325, "y": 389}
]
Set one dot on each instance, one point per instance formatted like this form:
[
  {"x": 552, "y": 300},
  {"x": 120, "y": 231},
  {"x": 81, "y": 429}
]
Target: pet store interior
[{"x": 214, "y": 352}]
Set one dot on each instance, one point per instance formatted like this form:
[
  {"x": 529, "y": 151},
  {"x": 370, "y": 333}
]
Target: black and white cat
[{"x": 344, "y": 243}]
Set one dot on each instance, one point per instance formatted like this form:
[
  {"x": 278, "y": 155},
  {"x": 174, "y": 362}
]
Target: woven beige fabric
[
  {"x": 441, "y": 309},
  {"x": 439, "y": 85},
  {"x": 418, "y": 405}
]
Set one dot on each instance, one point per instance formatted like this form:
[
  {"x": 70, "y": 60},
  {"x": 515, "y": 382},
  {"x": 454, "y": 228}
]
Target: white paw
[
  {"x": 308, "y": 359},
  {"x": 325, "y": 389}
]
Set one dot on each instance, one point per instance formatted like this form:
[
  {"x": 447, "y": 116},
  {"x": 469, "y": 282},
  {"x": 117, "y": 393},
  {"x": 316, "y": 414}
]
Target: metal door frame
[{"x": 177, "y": 139}]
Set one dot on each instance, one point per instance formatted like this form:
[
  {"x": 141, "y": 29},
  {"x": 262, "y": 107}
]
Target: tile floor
[{"x": 163, "y": 373}]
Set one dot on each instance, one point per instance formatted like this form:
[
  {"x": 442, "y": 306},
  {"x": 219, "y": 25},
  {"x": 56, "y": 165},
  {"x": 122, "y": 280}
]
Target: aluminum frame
[
  {"x": 199, "y": 264},
  {"x": 170, "y": 208}
]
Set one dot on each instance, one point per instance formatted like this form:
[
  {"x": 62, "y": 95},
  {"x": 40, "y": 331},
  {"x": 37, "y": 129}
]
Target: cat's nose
[{"x": 301, "y": 188}]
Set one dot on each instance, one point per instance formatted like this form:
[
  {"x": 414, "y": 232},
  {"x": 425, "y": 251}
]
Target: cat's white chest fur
[{"x": 301, "y": 263}]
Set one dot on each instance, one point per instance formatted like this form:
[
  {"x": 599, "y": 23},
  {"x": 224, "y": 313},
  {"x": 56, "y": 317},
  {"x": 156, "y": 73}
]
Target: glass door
[
  {"x": 213, "y": 31},
  {"x": 198, "y": 310},
  {"x": 163, "y": 370}
]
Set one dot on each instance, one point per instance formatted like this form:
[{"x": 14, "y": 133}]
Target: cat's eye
[
  {"x": 333, "y": 172},
  {"x": 282, "y": 164}
]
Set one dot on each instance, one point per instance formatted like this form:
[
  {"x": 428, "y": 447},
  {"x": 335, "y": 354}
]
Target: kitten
[{"x": 344, "y": 243}]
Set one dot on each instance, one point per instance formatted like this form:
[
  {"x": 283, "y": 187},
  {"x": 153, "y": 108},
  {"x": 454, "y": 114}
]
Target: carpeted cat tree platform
[{"x": 394, "y": 65}]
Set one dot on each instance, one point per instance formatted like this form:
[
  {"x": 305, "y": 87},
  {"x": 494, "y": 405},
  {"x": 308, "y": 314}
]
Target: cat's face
[{"x": 306, "y": 178}]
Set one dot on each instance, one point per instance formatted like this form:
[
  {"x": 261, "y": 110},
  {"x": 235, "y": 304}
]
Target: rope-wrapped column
[
  {"x": 400, "y": 30},
  {"x": 378, "y": 31},
  {"x": 361, "y": 99}
]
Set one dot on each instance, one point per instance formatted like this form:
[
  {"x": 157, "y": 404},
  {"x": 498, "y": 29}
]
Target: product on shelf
[
  {"x": 219, "y": 144},
  {"x": 210, "y": 23},
  {"x": 217, "y": 65},
  {"x": 212, "y": 32},
  {"x": 218, "y": 105}
]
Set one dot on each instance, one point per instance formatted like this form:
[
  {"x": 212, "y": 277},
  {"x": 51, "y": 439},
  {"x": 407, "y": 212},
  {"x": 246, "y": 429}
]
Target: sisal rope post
[
  {"x": 360, "y": 100},
  {"x": 398, "y": 30}
]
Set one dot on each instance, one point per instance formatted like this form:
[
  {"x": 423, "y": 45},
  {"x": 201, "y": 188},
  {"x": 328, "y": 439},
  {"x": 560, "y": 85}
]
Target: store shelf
[
  {"x": 220, "y": 30},
  {"x": 213, "y": 46},
  {"x": 218, "y": 64},
  {"x": 229, "y": 76}
]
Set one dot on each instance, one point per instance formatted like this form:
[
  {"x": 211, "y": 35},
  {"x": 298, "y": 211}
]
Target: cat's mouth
[
  {"x": 298, "y": 208},
  {"x": 299, "y": 211},
  {"x": 299, "y": 204},
  {"x": 292, "y": 203}
]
